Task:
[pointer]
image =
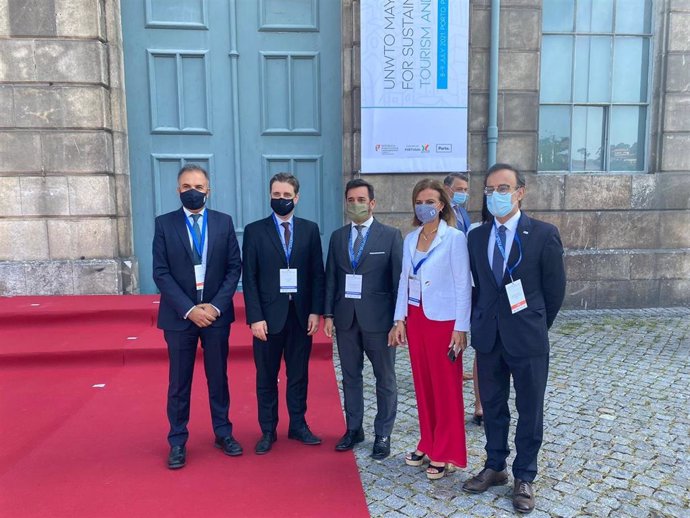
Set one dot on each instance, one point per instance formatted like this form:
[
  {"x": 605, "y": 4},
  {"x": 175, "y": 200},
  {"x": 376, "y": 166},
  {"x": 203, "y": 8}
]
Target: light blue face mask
[
  {"x": 425, "y": 213},
  {"x": 460, "y": 198},
  {"x": 500, "y": 205}
]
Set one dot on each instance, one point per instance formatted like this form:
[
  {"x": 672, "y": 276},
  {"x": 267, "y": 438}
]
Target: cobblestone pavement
[{"x": 617, "y": 427}]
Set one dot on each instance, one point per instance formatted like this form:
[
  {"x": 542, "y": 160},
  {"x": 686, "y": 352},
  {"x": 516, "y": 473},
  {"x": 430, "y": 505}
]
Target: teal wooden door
[{"x": 246, "y": 88}]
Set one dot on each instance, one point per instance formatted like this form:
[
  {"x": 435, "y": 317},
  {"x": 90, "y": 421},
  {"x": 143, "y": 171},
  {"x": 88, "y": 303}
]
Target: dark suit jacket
[
  {"x": 264, "y": 256},
  {"x": 543, "y": 280},
  {"x": 380, "y": 269},
  {"x": 173, "y": 268}
]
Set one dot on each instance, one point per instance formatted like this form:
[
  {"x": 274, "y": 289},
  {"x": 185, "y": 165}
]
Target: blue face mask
[
  {"x": 460, "y": 198},
  {"x": 500, "y": 205},
  {"x": 425, "y": 213}
]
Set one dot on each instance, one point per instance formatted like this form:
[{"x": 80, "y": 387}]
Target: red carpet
[{"x": 72, "y": 449}]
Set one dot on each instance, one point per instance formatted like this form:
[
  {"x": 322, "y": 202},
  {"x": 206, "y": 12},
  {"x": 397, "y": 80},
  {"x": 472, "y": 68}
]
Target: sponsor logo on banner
[{"x": 444, "y": 148}]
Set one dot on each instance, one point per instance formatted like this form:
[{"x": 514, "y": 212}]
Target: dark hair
[
  {"x": 448, "y": 180},
  {"x": 519, "y": 178},
  {"x": 447, "y": 213},
  {"x": 487, "y": 217},
  {"x": 287, "y": 178},
  {"x": 192, "y": 167},
  {"x": 358, "y": 182}
]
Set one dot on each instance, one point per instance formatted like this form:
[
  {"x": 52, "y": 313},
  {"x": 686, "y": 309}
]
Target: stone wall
[
  {"x": 627, "y": 236},
  {"x": 65, "y": 224}
]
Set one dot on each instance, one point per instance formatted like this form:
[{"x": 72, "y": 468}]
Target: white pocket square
[{"x": 376, "y": 253}]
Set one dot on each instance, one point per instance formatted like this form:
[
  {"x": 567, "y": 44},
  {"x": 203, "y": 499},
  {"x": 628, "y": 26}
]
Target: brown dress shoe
[
  {"x": 484, "y": 480},
  {"x": 523, "y": 496}
]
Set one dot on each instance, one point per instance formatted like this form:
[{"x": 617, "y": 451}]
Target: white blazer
[{"x": 445, "y": 277}]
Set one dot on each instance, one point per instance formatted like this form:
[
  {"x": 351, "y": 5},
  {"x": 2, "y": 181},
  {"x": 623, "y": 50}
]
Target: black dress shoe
[
  {"x": 348, "y": 441},
  {"x": 229, "y": 445},
  {"x": 382, "y": 447},
  {"x": 265, "y": 443},
  {"x": 304, "y": 436},
  {"x": 177, "y": 457}
]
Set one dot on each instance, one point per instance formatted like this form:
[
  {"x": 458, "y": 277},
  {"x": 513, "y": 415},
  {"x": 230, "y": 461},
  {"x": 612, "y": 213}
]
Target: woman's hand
[
  {"x": 458, "y": 341},
  {"x": 399, "y": 333}
]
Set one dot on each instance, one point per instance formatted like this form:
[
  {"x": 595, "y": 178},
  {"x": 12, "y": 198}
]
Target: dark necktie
[
  {"x": 358, "y": 239},
  {"x": 197, "y": 238},
  {"x": 459, "y": 218},
  {"x": 497, "y": 263},
  {"x": 286, "y": 226}
]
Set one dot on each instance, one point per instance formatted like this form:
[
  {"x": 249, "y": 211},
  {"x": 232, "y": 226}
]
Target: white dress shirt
[
  {"x": 189, "y": 217},
  {"x": 511, "y": 227},
  {"x": 282, "y": 228},
  {"x": 365, "y": 230}
]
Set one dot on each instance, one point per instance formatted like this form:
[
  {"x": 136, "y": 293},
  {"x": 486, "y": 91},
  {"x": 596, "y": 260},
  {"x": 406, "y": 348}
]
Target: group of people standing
[{"x": 503, "y": 281}]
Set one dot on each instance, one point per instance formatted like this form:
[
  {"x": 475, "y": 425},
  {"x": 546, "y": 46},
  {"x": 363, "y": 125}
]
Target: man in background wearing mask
[
  {"x": 283, "y": 286},
  {"x": 362, "y": 275},
  {"x": 457, "y": 186},
  {"x": 196, "y": 266},
  {"x": 517, "y": 266}
]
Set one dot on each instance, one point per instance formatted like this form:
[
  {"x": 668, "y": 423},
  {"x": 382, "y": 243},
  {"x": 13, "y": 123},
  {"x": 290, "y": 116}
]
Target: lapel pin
[{"x": 525, "y": 232}]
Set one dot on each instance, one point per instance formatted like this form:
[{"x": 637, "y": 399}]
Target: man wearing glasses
[{"x": 517, "y": 266}]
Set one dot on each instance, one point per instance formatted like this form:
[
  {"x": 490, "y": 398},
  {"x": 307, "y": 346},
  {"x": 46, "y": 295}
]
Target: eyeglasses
[{"x": 501, "y": 189}]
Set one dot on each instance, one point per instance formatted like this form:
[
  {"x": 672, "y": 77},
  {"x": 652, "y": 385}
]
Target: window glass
[
  {"x": 592, "y": 65},
  {"x": 594, "y": 16},
  {"x": 630, "y": 69},
  {"x": 554, "y": 138},
  {"x": 633, "y": 16},
  {"x": 558, "y": 15},
  {"x": 626, "y": 141},
  {"x": 556, "y": 68},
  {"x": 588, "y": 138}
]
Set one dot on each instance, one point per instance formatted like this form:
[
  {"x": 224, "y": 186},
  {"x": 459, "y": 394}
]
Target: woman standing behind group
[{"x": 433, "y": 314}]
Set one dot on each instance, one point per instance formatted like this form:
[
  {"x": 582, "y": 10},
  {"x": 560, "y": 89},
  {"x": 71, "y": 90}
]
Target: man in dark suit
[
  {"x": 457, "y": 186},
  {"x": 196, "y": 266},
  {"x": 362, "y": 274},
  {"x": 283, "y": 285},
  {"x": 517, "y": 296}
]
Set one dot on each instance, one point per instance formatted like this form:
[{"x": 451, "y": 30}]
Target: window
[{"x": 594, "y": 99}]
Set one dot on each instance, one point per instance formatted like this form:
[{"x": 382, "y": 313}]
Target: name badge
[
  {"x": 199, "y": 276},
  {"x": 353, "y": 286},
  {"x": 288, "y": 280},
  {"x": 414, "y": 291},
  {"x": 516, "y": 297}
]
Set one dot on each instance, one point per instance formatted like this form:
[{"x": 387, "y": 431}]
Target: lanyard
[
  {"x": 286, "y": 249},
  {"x": 199, "y": 246},
  {"x": 354, "y": 259},
  {"x": 501, "y": 248},
  {"x": 416, "y": 267}
]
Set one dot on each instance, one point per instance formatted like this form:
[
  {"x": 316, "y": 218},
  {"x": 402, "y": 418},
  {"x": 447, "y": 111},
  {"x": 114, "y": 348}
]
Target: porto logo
[{"x": 425, "y": 148}]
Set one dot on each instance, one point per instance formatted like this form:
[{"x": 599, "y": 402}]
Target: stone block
[
  {"x": 72, "y": 107},
  {"x": 597, "y": 192},
  {"x": 612, "y": 267},
  {"x": 644, "y": 191},
  {"x": 480, "y": 28},
  {"x": 680, "y": 5},
  {"x": 479, "y": 70},
  {"x": 97, "y": 277},
  {"x": 123, "y": 205},
  {"x": 73, "y": 152},
  {"x": 677, "y": 113},
  {"x": 357, "y": 111},
  {"x": 581, "y": 267},
  {"x": 479, "y": 112},
  {"x": 382, "y": 190},
  {"x": 6, "y": 107},
  {"x": 17, "y": 61},
  {"x": 520, "y": 29},
  {"x": 12, "y": 278},
  {"x": 674, "y": 293},
  {"x": 20, "y": 152},
  {"x": 4, "y": 18},
  {"x": 29, "y": 18},
  {"x": 476, "y": 194},
  {"x": 644, "y": 265},
  {"x": 674, "y": 152},
  {"x": 347, "y": 73},
  {"x": 627, "y": 294},
  {"x": 125, "y": 247},
  {"x": 477, "y": 151},
  {"x": 673, "y": 190},
  {"x": 677, "y": 73},
  {"x": 518, "y": 149},
  {"x": 518, "y": 112},
  {"x": 544, "y": 192},
  {"x": 578, "y": 230},
  {"x": 356, "y": 68},
  {"x": 49, "y": 278},
  {"x": 91, "y": 195},
  {"x": 403, "y": 222},
  {"x": 71, "y": 61},
  {"x": 518, "y": 70},
  {"x": 580, "y": 295},
  {"x": 82, "y": 239},
  {"x": 351, "y": 19},
  {"x": 10, "y": 196},
  {"x": 674, "y": 266},
  {"x": 673, "y": 229},
  {"x": 679, "y": 32},
  {"x": 121, "y": 153},
  {"x": 23, "y": 240},
  {"x": 44, "y": 195},
  {"x": 629, "y": 229},
  {"x": 77, "y": 18}
]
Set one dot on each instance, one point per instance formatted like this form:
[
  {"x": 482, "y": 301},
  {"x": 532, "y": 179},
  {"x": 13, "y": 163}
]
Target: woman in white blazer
[{"x": 433, "y": 314}]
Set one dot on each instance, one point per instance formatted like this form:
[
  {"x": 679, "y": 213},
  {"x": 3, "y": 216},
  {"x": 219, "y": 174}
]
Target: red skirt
[{"x": 438, "y": 388}]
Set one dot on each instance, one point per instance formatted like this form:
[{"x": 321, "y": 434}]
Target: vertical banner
[{"x": 414, "y": 74}]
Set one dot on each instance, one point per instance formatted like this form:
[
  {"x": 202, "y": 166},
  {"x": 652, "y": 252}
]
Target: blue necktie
[
  {"x": 497, "y": 263},
  {"x": 460, "y": 219},
  {"x": 197, "y": 237}
]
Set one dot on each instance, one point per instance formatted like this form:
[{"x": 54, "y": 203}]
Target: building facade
[{"x": 101, "y": 101}]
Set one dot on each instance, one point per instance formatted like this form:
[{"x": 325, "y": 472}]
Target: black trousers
[
  {"x": 293, "y": 343},
  {"x": 182, "y": 352},
  {"x": 353, "y": 343},
  {"x": 530, "y": 374}
]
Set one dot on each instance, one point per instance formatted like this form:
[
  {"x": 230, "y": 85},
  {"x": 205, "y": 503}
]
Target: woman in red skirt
[{"x": 433, "y": 314}]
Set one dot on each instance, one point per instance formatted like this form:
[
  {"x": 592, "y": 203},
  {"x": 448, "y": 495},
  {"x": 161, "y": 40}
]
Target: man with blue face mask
[
  {"x": 519, "y": 276},
  {"x": 457, "y": 186}
]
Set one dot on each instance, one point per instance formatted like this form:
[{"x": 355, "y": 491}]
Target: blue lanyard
[
  {"x": 199, "y": 246},
  {"x": 501, "y": 248},
  {"x": 354, "y": 259},
  {"x": 416, "y": 267},
  {"x": 286, "y": 249}
]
